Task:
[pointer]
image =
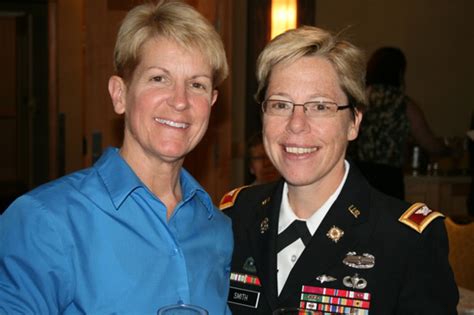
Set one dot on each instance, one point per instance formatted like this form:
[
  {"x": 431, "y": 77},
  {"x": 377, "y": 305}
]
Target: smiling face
[
  {"x": 308, "y": 151},
  {"x": 167, "y": 102}
]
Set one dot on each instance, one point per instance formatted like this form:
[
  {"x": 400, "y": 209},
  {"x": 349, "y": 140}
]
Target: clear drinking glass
[
  {"x": 294, "y": 311},
  {"x": 182, "y": 309}
]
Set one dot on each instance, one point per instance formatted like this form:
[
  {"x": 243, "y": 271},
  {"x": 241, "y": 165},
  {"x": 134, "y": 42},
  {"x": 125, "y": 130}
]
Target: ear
[
  {"x": 354, "y": 126},
  {"x": 117, "y": 91},
  {"x": 214, "y": 97}
]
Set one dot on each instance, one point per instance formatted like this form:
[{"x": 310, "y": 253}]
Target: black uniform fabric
[{"x": 411, "y": 274}]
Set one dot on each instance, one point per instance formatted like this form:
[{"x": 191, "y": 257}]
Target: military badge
[
  {"x": 335, "y": 233},
  {"x": 325, "y": 278},
  {"x": 249, "y": 265},
  {"x": 419, "y": 216},
  {"x": 364, "y": 261},
  {"x": 354, "y": 211},
  {"x": 334, "y": 301},
  {"x": 264, "y": 225},
  {"x": 355, "y": 282},
  {"x": 264, "y": 202},
  {"x": 229, "y": 199}
]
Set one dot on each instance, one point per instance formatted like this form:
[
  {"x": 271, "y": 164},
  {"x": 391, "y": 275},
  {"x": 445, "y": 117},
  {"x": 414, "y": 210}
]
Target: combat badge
[
  {"x": 335, "y": 233},
  {"x": 364, "y": 261}
]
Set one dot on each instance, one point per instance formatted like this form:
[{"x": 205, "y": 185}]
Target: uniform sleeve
[
  {"x": 429, "y": 286},
  {"x": 33, "y": 277}
]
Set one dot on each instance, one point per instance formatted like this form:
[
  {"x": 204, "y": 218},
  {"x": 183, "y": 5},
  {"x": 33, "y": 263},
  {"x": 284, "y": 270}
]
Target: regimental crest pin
[
  {"x": 249, "y": 265},
  {"x": 335, "y": 233},
  {"x": 264, "y": 225}
]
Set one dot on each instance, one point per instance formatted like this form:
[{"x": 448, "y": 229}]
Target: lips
[
  {"x": 300, "y": 150},
  {"x": 171, "y": 123}
]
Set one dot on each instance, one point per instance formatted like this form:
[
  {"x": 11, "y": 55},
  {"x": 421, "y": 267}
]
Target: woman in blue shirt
[{"x": 135, "y": 232}]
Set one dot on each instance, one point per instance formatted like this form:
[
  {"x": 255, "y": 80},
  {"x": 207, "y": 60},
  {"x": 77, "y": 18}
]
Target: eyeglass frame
[{"x": 305, "y": 109}]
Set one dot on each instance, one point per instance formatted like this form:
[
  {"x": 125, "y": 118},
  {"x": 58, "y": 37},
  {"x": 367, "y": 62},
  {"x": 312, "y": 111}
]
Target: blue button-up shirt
[{"x": 98, "y": 242}]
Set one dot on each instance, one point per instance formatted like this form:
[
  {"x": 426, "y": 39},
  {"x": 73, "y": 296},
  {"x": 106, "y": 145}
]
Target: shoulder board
[
  {"x": 229, "y": 199},
  {"x": 419, "y": 216}
]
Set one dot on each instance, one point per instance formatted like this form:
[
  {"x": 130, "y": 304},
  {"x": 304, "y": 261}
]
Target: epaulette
[
  {"x": 418, "y": 216},
  {"x": 229, "y": 198}
]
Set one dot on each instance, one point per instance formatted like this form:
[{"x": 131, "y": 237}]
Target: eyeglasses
[{"x": 311, "y": 109}]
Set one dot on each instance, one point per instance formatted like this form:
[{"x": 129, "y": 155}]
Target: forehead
[
  {"x": 308, "y": 76},
  {"x": 162, "y": 50}
]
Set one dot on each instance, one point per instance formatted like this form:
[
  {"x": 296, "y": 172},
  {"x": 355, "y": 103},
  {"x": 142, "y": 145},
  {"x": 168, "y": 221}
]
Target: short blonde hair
[
  {"x": 348, "y": 60},
  {"x": 173, "y": 20}
]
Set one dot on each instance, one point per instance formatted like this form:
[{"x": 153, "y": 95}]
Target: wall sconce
[{"x": 284, "y": 14}]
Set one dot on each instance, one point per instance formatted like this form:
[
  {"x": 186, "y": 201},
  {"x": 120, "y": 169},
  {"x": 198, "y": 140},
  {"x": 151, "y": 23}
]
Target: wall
[
  {"x": 70, "y": 82},
  {"x": 437, "y": 38}
]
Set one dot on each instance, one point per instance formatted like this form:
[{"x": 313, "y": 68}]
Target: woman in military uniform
[{"x": 322, "y": 238}]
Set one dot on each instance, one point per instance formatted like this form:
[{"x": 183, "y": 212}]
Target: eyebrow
[{"x": 167, "y": 72}]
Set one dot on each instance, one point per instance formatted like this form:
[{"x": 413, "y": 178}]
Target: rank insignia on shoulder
[
  {"x": 419, "y": 216},
  {"x": 229, "y": 199}
]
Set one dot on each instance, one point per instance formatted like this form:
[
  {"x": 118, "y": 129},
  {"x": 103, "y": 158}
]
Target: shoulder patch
[
  {"x": 228, "y": 199},
  {"x": 419, "y": 216}
]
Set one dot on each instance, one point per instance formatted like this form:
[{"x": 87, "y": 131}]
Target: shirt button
[
  {"x": 174, "y": 252},
  {"x": 293, "y": 258}
]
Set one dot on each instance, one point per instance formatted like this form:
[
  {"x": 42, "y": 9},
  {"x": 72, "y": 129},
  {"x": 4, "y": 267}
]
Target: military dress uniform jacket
[{"x": 382, "y": 258}]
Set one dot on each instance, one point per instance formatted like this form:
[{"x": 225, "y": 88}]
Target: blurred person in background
[
  {"x": 392, "y": 123},
  {"x": 260, "y": 166},
  {"x": 135, "y": 232}
]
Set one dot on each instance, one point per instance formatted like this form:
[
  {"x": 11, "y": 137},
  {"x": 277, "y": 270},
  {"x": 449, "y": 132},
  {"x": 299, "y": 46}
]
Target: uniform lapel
[
  {"x": 262, "y": 236},
  {"x": 323, "y": 252}
]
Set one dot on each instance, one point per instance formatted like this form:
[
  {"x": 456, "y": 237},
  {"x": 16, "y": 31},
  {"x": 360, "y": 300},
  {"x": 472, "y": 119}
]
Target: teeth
[
  {"x": 171, "y": 123},
  {"x": 298, "y": 150}
]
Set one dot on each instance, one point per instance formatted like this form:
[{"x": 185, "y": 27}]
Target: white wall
[{"x": 437, "y": 37}]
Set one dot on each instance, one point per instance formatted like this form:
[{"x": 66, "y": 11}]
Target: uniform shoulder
[
  {"x": 418, "y": 216},
  {"x": 248, "y": 195},
  {"x": 229, "y": 198}
]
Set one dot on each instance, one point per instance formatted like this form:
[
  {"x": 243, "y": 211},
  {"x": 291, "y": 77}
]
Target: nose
[
  {"x": 297, "y": 121},
  {"x": 179, "y": 97}
]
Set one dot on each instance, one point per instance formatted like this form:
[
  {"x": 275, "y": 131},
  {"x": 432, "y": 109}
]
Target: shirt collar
[
  {"x": 120, "y": 180},
  {"x": 287, "y": 215},
  {"x": 190, "y": 187}
]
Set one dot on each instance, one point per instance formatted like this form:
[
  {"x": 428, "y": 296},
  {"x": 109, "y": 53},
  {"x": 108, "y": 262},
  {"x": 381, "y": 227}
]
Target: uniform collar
[{"x": 287, "y": 215}]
